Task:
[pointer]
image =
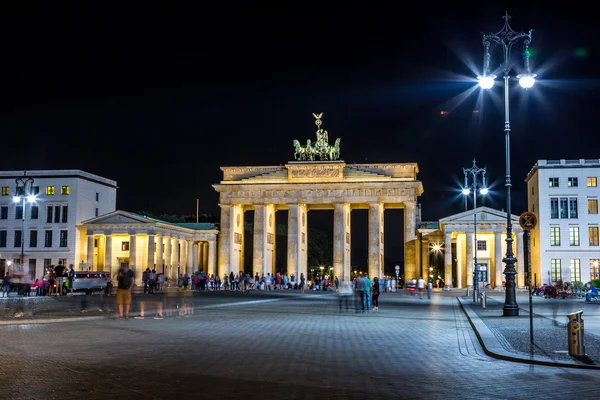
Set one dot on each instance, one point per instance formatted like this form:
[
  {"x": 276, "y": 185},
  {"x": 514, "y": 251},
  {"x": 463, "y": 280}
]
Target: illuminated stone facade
[{"x": 300, "y": 187}]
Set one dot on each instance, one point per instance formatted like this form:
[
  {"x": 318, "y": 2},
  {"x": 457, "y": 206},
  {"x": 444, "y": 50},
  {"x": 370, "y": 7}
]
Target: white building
[
  {"x": 64, "y": 199},
  {"x": 564, "y": 195}
]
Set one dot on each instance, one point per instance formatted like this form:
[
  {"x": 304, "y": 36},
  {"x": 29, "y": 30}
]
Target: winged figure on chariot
[{"x": 321, "y": 149}]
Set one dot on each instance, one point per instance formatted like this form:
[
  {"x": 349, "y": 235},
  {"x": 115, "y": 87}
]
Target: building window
[
  {"x": 47, "y": 238},
  {"x": 63, "y": 261},
  {"x": 574, "y": 235},
  {"x": 6, "y": 190},
  {"x": 594, "y": 269},
  {"x": 555, "y": 273},
  {"x": 19, "y": 212},
  {"x": 572, "y": 182},
  {"x": 49, "y": 214},
  {"x": 47, "y": 264},
  {"x": 65, "y": 190},
  {"x": 96, "y": 212},
  {"x": 33, "y": 238},
  {"x": 575, "y": 270},
  {"x": 18, "y": 238},
  {"x": 481, "y": 245},
  {"x": 35, "y": 212},
  {"x": 573, "y": 207},
  {"x": 592, "y": 206},
  {"x": 50, "y": 190},
  {"x": 553, "y": 182},
  {"x": 124, "y": 246},
  {"x": 564, "y": 207},
  {"x": 65, "y": 213},
  {"x": 555, "y": 236},
  {"x": 35, "y": 190},
  {"x": 554, "y": 208},
  {"x": 32, "y": 266},
  {"x": 97, "y": 196},
  {"x": 592, "y": 181},
  {"x": 20, "y": 191},
  {"x": 4, "y": 212},
  {"x": 2, "y": 238},
  {"x": 56, "y": 214},
  {"x": 593, "y": 233},
  {"x": 63, "y": 238},
  {"x": 95, "y": 242}
]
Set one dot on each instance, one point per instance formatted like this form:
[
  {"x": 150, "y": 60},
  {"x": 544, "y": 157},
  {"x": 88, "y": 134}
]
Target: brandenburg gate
[{"x": 310, "y": 184}]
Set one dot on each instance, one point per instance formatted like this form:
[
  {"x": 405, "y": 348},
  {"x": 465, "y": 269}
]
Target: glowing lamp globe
[
  {"x": 526, "y": 80},
  {"x": 466, "y": 191},
  {"x": 483, "y": 191},
  {"x": 486, "y": 81},
  {"x": 17, "y": 199}
]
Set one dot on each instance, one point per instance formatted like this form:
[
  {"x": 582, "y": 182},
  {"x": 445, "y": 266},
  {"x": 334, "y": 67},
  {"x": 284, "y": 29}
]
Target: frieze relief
[
  {"x": 321, "y": 172},
  {"x": 394, "y": 195}
]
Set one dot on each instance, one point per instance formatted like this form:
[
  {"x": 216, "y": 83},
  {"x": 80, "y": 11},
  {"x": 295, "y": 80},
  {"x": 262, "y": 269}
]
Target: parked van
[{"x": 88, "y": 281}]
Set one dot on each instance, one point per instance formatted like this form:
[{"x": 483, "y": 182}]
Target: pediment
[
  {"x": 118, "y": 218},
  {"x": 484, "y": 214}
]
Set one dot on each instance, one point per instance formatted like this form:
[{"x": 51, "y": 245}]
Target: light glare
[
  {"x": 17, "y": 199},
  {"x": 486, "y": 81},
  {"x": 31, "y": 198},
  {"x": 484, "y": 191},
  {"x": 526, "y": 80},
  {"x": 466, "y": 191}
]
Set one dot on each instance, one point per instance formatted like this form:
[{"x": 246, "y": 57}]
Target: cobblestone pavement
[{"x": 272, "y": 346}]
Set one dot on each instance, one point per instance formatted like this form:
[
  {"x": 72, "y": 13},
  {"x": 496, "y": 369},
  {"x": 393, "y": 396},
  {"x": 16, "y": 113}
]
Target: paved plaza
[{"x": 268, "y": 346}]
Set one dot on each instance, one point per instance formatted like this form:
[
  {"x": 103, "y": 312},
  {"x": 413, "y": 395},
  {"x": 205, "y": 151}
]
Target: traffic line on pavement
[
  {"x": 47, "y": 321},
  {"x": 238, "y": 303}
]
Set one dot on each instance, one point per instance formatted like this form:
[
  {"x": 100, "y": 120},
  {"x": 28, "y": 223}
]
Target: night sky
[{"x": 159, "y": 99}]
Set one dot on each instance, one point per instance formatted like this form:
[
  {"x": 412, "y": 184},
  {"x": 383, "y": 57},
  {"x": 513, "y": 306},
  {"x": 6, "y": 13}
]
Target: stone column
[
  {"x": 151, "y": 249},
  {"x": 176, "y": 260},
  {"x": 425, "y": 259},
  {"x": 195, "y": 266},
  {"x": 410, "y": 237},
  {"x": 108, "y": 264},
  {"x": 201, "y": 256},
  {"x": 159, "y": 253},
  {"x": 90, "y": 251},
  {"x": 168, "y": 257},
  {"x": 297, "y": 241},
  {"x": 204, "y": 261},
  {"x": 448, "y": 259},
  {"x": 375, "y": 240},
  {"x": 212, "y": 257},
  {"x": 190, "y": 257},
  {"x": 341, "y": 241},
  {"x": 264, "y": 239},
  {"x": 469, "y": 251},
  {"x": 520, "y": 278},
  {"x": 225, "y": 240},
  {"x": 132, "y": 252},
  {"x": 498, "y": 256}
]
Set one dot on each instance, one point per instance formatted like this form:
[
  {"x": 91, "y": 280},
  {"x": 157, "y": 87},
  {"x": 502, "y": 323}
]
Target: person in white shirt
[{"x": 421, "y": 286}]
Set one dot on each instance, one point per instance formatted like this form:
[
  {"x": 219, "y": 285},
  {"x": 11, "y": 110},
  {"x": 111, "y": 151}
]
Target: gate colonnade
[{"x": 300, "y": 187}]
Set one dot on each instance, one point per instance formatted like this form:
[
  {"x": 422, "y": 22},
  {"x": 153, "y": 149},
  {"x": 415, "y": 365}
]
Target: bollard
[
  {"x": 468, "y": 291},
  {"x": 475, "y": 299},
  {"x": 483, "y": 301},
  {"x": 575, "y": 331}
]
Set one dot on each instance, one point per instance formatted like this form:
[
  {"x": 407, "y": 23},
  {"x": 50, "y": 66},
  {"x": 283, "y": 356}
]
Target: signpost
[{"x": 528, "y": 221}]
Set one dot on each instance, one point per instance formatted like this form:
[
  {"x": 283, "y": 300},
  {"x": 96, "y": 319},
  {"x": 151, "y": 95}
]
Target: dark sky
[{"x": 159, "y": 99}]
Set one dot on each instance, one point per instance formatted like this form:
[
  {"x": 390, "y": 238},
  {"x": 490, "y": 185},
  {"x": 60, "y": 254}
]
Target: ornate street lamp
[
  {"x": 23, "y": 196},
  {"x": 506, "y": 38},
  {"x": 474, "y": 171}
]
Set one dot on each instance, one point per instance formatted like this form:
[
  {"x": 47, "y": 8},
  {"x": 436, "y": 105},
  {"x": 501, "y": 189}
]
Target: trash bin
[
  {"x": 483, "y": 301},
  {"x": 575, "y": 327}
]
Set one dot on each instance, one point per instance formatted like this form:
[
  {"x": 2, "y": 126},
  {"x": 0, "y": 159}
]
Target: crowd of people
[{"x": 57, "y": 280}]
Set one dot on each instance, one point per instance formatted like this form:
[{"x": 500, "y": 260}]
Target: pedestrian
[
  {"x": 336, "y": 281},
  {"x": 367, "y": 294},
  {"x": 375, "y": 295},
  {"x": 421, "y": 286},
  {"x": 302, "y": 282},
  {"x": 125, "y": 278},
  {"x": 59, "y": 272},
  {"x": 429, "y": 290},
  {"x": 71, "y": 278},
  {"x": 591, "y": 292},
  {"x": 5, "y": 285},
  {"x": 359, "y": 290}
]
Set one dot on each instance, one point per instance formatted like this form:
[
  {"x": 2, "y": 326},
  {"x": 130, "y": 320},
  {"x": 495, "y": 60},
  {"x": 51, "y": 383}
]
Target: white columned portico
[
  {"x": 520, "y": 261},
  {"x": 168, "y": 263},
  {"x": 469, "y": 251},
  {"x": 151, "y": 249},
  {"x": 376, "y": 240},
  {"x": 90, "y": 252},
  {"x": 133, "y": 253},
  {"x": 297, "y": 241},
  {"x": 212, "y": 257},
  {"x": 190, "y": 257},
  {"x": 159, "y": 254},
  {"x": 195, "y": 258},
  {"x": 108, "y": 261},
  {"x": 341, "y": 241},
  {"x": 448, "y": 259},
  {"x": 204, "y": 253},
  {"x": 498, "y": 258},
  {"x": 176, "y": 259}
]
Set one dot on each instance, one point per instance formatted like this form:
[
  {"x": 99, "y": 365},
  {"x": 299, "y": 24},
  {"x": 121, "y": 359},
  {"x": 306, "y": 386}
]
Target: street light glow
[
  {"x": 526, "y": 80},
  {"x": 32, "y": 198},
  {"x": 486, "y": 81},
  {"x": 16, "y": 199},
  {"x": 437, "y": 247},
  {"x": 484, "y": 191},
  {"x": 466, "y": 191}
]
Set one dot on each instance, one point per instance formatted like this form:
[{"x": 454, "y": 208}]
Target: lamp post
[
  {"x": 506, "y": 38},
  {"x": 474, "y": 171},
  {"x": 23, "y": 196}
]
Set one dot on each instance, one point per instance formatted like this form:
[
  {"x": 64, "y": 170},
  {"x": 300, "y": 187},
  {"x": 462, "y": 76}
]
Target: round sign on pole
[
  {"x": 397, "y": 268},
  {"x": 528, "y": 220}
]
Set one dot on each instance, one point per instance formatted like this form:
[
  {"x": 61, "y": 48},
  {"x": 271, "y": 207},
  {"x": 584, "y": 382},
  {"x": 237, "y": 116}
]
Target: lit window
[
  {"x": 574, "y": 235},
  {"x": 572, "y": 182},
  {"x": 5, "y": 191},
  {"x": 50, "y": 190},
  {"x": 555, "y": 273},
  {"x": 553, "y": 182},
  {"x": 594, "y": 269},
  {"x": 481, "y": 245},
  {"x": 65, "y": 189},
  {"x": 124, "y": 246},
  {"x": 555, "y": 236},
  {"x": 575, "y": 270},
  {"x": 593, "y": 233},
  {"x": 592, "y": 206},
  {"x": 592, "y": 181}
]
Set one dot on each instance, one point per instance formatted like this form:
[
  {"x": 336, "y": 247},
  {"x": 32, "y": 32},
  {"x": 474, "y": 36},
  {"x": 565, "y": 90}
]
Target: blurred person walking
[{"x": 375, "y": 296}]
